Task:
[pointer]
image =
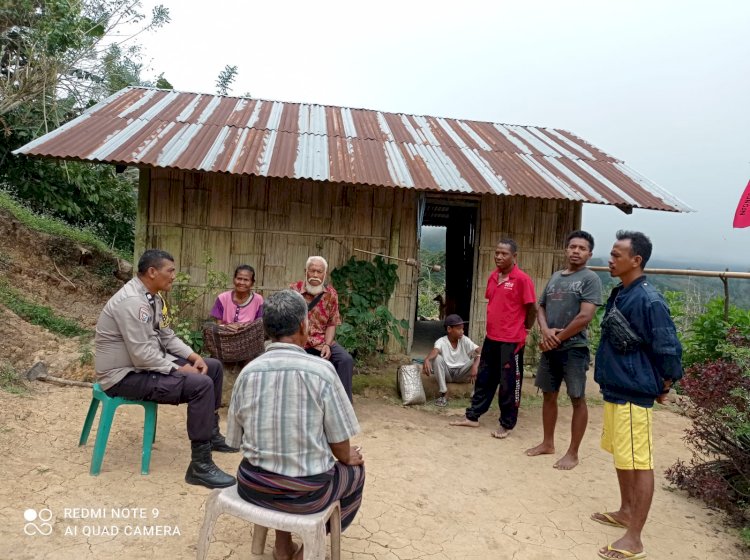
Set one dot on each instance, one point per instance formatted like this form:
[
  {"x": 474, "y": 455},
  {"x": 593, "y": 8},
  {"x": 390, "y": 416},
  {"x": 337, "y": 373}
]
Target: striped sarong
[{"x": 303, "y": 494}]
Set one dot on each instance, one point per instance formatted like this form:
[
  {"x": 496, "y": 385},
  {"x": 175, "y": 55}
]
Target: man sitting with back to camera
[{"x": 454, "y": 358}]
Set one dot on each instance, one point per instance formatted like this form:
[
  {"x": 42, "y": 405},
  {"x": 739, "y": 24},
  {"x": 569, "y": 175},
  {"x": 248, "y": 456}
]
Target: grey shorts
[{"x": 558, "y": 365}]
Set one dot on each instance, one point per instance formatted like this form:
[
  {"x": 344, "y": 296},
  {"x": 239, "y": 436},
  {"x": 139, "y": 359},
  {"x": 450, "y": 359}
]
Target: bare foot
[
  {"x": 465, "y": 422},
  {"x": 500, "y": 433},
  {"x": 566, "y": 462},
  {"x": 541, "y": 449}
]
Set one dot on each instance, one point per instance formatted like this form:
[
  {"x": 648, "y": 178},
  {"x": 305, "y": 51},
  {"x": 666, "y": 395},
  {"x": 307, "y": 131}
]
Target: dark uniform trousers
[
  {"x": 343, "y": 362},
  {"x": 202, "y": 393}
]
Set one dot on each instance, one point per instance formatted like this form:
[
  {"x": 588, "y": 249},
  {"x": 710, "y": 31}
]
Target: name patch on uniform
[{"x": 144, "y": 314}]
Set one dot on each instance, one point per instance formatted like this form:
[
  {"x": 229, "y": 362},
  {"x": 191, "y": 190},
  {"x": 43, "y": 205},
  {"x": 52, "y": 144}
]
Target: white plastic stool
[{"x": 310, "y": 527}]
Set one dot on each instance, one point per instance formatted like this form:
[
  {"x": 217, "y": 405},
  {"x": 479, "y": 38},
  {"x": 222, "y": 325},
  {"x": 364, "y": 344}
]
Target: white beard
[{"x": 314, "y": 290}]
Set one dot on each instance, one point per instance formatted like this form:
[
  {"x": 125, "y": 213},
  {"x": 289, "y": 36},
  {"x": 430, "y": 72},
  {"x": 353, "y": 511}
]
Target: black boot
[
  {"x": 218, "y": 443},
  {"x": 203, "y": 471}
]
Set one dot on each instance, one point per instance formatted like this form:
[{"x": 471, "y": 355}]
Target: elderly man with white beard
[{"x": 323, "y": 317}]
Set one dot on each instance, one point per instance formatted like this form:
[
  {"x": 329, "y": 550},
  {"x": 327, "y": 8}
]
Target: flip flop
[
  {"x": 608, "y": 520},
  {"x": 625, "y": 554}
]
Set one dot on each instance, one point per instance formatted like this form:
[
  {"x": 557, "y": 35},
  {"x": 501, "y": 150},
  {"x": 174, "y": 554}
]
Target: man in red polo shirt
[{"x": 511, "y": 312}]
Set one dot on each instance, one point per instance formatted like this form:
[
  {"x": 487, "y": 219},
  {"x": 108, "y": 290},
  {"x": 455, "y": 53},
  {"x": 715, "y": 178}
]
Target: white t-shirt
[{"x": 458, "y": 356}]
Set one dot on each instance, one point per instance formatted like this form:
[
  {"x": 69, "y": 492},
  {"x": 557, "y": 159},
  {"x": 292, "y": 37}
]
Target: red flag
[{"x": 742, "y": 214}]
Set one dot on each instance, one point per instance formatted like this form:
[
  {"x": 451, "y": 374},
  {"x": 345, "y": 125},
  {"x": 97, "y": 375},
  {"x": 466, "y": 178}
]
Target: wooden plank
[
  {"x": 221, "y": 192},
  {"x": 194, "y": 242},
  {"x": 196, "y": 207},
  {"x": 219, "y": 250},
  {"x": 248, "y": 219},
  {"x": 166, "y": 238},
  {"x": 165, "y": 196}
]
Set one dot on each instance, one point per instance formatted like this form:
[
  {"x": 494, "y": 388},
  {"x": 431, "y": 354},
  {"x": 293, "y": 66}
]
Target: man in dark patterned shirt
[{"x": 323, "y": 318}]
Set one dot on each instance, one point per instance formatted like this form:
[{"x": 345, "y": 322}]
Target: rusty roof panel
[{"x": 171, "y": 129}]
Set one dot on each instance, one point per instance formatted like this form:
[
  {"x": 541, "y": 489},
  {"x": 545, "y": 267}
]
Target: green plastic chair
[{"x": 109, "y": 405}]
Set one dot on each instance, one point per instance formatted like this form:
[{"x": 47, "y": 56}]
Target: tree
[
  {"x": 57, "y": 58},
  {"x": 54, "y": 48},
  {"x": 225, "y": 79}
]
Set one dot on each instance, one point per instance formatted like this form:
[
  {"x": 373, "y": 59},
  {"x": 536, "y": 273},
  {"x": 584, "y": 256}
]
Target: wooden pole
[
  {"x": 685, "y": 272},
  {"x": 725, "y": 281},
  {"x": 723, "y": 276},
  {"x": 141, "y": 217}
]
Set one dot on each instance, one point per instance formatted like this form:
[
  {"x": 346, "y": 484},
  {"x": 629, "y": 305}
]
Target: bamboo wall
[
  {"x": 275, "y": 224},
  {"x": 538, "y": 226}
]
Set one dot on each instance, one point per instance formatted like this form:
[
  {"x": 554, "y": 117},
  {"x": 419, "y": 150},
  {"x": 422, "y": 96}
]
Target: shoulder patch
[{"x": 144, "y": 314}]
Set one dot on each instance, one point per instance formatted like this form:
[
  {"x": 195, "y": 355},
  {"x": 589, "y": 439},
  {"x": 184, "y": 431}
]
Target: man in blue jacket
[{"x": 638, "y": 359}]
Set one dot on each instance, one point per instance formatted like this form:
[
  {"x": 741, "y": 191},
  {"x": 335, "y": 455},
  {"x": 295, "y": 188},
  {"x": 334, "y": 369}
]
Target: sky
[{"x": 662, "y": 85}]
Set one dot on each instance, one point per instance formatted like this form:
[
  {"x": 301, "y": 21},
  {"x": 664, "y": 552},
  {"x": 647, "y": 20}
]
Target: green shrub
[
  {"x": 55, "y": 226},
  {"x": 38, "y": 314},
  {"x": 719, "y": 404},
  {"x": 10, "y": 381},
  {"x": 184, "y": 318},
  {"x": 710, "y": 329},
  {"x": 364, "y": 290}
]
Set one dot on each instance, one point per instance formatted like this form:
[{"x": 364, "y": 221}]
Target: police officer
[{"x": 138, "y": 357}]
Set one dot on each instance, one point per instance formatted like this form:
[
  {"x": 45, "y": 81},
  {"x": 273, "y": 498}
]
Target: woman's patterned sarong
[{"x": 305, "y": 494}]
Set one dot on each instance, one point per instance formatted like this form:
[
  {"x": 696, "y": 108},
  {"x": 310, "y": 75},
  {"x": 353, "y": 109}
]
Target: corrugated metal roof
[{"x": 160, "y": 128}]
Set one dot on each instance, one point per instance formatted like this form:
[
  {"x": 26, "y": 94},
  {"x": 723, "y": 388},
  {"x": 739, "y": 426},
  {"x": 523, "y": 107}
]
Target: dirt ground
[{"x": 433, "y": 491}]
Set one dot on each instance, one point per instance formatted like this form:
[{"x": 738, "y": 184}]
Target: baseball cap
[{"x": 453, "y": 320}]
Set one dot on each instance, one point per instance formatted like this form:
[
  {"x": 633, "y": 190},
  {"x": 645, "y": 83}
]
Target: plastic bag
[{"x": 410, "y": 388}]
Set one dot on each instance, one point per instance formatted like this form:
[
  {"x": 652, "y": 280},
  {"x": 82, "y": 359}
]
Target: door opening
[{"x": 448, "y": 237}]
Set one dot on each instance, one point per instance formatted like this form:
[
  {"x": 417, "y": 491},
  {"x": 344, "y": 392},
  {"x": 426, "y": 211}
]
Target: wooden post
[
  {"x": 725, "y": 281},
  {"x": 141, "y": 218}
]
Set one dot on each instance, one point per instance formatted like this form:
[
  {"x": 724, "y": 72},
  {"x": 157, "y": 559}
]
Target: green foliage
[
  {"x": 677, "y": 303},
  {"x": 10, "y": 381},
  {"x": 595, "y": 328},
  {"x": 84, "y": 195},
  {"x": 38, "y": 314},
  {"x": 225, "y": 79},
  {"x": 719, "y": 405},
  {"x": 431, "y": 284},
  {"x": 55, "y": 226},
  {"x": 87, "y": 353},
  {"x": 183, "y": 316},
  {"x": 364, "y": 289},
  {"x": 709, "y": 330},
  {"x": 53, "y": 67},
  {"x": 378, "y": 383}
]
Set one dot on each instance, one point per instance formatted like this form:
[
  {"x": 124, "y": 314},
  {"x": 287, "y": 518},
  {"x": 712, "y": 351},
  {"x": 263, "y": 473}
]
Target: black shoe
[
  {"x": 202, "y": 471},
  {"x": 218, "y": 443}
]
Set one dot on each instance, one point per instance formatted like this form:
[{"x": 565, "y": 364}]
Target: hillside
[{"x": 52, "y": 288}]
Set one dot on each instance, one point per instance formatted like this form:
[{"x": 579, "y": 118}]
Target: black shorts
[{"x": 570, "y": 365}]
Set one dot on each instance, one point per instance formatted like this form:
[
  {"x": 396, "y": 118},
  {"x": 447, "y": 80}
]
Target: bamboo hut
[{"x": 271, "y": 183}]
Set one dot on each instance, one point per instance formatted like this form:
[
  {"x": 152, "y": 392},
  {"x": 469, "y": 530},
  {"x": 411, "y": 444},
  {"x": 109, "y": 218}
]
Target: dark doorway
[{"x": 458, "y": 221}]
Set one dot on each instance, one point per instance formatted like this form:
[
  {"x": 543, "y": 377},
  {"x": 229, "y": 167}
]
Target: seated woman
[
  {"x": 291, "y": 417},
  {"x": 240, "y": 305}
]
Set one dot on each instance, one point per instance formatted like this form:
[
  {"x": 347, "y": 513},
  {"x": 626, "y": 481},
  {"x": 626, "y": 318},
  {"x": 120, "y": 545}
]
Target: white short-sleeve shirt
[{"x": 458, "y": 356}]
